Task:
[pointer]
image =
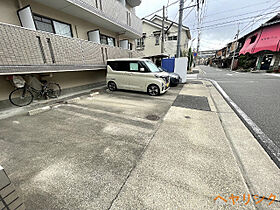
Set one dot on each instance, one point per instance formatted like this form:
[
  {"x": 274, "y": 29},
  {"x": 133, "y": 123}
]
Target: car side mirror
[{"x": 142, "y": 69}]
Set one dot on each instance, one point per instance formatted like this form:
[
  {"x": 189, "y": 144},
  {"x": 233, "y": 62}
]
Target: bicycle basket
[{"x": 18, "y": 81}]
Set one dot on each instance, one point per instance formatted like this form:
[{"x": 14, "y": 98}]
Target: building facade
[
  {"x": 257, "y": 50},
  {"x": 150, "y": 43},
  {"x": 68, "y": 41}
]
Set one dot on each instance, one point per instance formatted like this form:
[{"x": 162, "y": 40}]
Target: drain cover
[{"x": 153, "y": 117}]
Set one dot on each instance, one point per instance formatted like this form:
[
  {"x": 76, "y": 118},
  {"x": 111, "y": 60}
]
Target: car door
[
  {"x": 120, "y": 74},
  {"x": 137, "y": 79}
]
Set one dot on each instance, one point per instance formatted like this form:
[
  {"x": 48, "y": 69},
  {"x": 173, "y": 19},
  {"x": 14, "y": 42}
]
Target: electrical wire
[
  {"x": 253, "y": 22},
  {"x": 233, "y": 21},
  {"x": 236, "y": 16},
  {"x": 240, "y": 8},
  {"x": 161, "y": 9}
]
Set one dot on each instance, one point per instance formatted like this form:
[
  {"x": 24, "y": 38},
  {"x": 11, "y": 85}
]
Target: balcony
[
  {"x": 109, "y": 14},
  {"x": 25, "y": 51}
]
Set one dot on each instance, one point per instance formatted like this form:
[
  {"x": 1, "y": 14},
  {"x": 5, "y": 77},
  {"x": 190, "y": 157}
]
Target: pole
[
  {"x": 181, "y": 9},
  {"x": 162, "y": 30},
  {"x": 198, "y": 46},
  {"x": 235, "y": 47}
]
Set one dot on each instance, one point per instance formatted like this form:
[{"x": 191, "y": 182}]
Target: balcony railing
[
  {"x": 113, "y": 11},
  {"x": 24, "y": 50}
]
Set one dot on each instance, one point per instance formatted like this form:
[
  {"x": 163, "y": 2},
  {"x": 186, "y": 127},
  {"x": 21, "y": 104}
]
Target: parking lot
[{"x": 78, "y": 155}]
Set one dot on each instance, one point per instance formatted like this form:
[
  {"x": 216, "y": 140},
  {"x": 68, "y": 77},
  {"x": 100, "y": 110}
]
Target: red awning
[{"x": 265, "y": 39}]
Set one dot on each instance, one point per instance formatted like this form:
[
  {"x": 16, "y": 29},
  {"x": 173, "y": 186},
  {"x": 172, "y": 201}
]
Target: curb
[{"x": 267, "y": 144}]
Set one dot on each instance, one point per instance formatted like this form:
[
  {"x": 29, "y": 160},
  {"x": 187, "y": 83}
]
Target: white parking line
[{"x": 229, "y": 74}]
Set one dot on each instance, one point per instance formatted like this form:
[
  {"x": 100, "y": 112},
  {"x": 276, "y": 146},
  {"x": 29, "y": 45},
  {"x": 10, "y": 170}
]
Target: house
[
  {"x": 264, "y": 44},
  {"x": 66, "y": 41},
  {"x": 150, "y": 43},
  {"x": 260, "y": 49}
]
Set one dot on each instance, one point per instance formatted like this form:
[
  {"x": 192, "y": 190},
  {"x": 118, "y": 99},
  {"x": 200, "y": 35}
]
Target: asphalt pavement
[{"x": 257, "y": 94}]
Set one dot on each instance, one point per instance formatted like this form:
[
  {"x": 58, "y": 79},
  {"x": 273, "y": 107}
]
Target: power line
[
  {"x": 240, "y": 8},
  {"x": 161, "y": 9},
  {"x": 234, "y": 20},
  {"x": 236, "y": 15},
  {"x": 247, "y": 26}
]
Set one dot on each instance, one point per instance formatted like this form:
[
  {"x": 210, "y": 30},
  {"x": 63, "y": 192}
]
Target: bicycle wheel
[
  {"x": 53, "y": 90},
  {"x": 21, "y": 97}
]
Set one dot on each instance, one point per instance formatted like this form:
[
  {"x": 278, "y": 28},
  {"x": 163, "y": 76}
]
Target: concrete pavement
[
  {"x": 197, "y": 155},
  {"x": 102, "y": 152}
]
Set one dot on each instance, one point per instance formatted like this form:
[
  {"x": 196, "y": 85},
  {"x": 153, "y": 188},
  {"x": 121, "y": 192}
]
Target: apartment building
[
  {"x": 150, "y": 43},
  {"x": 65, "y": 41}
]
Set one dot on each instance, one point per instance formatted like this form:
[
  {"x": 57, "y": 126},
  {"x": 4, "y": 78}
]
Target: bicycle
[{"x": 23, "y": 96}]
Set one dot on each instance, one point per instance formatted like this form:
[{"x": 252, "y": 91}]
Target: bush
[{"x": 247, "y": 61}]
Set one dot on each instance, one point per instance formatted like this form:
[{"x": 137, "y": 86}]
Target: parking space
[{"x": 78, "y": 155}]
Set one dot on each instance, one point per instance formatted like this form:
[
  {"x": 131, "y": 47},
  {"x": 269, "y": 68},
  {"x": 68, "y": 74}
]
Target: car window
[
  {"x": 118, "y": 65},
  {"x": 134, "y": 66},
  {"x": 152, "y": 67}
]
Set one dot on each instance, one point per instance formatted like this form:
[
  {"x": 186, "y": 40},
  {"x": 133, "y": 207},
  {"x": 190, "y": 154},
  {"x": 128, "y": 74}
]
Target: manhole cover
[{"x": 153, "y": 117}]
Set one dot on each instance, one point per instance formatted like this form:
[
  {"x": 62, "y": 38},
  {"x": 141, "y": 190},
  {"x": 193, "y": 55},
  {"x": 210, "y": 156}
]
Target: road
[{"x": 257, "y": 94}]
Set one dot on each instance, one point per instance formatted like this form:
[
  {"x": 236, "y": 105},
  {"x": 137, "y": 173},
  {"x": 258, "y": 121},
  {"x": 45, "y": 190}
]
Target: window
[
  {"x": 170, "y": 38},
  {"x": 130, "y": 46},
  {"x": 119, "y": 65},
  {"x": 52, "y": 26},
  {"x": 140, "y": 43},
  {"x": 152, "y": 67},
  {"x": 134, "y": 66},
  {"x": 157, "y": 39},
  {"x": 128, "y": 18},
  {"x": 62, "y": 29},
  {"x": 253, "y": 39},
  {"x": 107, "y": 40},
  {"x": 43, "y": 24}
]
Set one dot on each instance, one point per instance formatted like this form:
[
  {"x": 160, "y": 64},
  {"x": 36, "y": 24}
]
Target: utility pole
[
  {"x": 162, "y": 30},
  {"x": 181, "y": 9},
  {"x": 235, "y": 47},
  {"x": 198, "y": 44}
]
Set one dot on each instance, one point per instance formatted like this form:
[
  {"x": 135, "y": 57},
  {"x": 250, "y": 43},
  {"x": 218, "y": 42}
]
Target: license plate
[{"x": 167, "y": 85}]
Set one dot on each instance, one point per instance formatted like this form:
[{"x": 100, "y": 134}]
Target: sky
[{"x": 220, "y": 18}]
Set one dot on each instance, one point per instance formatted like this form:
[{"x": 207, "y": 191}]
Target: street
[{"x": 257, "y": 94}]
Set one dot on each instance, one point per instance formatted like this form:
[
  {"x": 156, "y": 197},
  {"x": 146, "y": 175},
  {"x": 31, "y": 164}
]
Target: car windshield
[{"x": 152, "y": 67}]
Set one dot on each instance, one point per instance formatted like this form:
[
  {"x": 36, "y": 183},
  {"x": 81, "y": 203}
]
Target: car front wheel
[{"x": 153, "y": 90}]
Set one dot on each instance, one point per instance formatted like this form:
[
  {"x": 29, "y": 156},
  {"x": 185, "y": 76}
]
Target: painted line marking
[
  {"x": 229, "y": 74},
  {"x": 265, "y": 140},
  {"x": 275, "y": 75}
]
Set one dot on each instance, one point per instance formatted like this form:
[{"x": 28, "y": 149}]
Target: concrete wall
[
  {"x": 80, "y": 27},
  {"x": 75, "y": 79},
  {"x": 5, "y": 88},
  {"x": 8, "y": 12},
  {"x": 66, "y": 80}
]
